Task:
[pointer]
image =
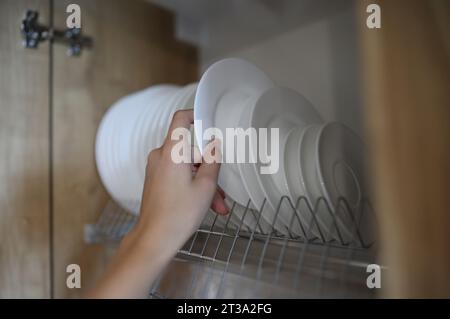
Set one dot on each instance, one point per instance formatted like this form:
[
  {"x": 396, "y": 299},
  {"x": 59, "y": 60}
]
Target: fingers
[
  {"x": 209, "y": 171},
  {"x": 153, "y": 159},
  {"x": 176, "y": 150},
  {"x": 218, "y": 204},
  {"x": 180, "y": 119},
  {"x": 220, "y": 191},
  {"x": 196, "y": 155}
]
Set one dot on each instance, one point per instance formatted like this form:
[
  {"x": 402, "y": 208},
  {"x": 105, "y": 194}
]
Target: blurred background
[{"x": 390, "y": 85}]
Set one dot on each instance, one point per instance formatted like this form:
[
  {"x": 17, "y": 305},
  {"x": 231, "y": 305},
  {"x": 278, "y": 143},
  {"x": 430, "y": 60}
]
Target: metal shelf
[{"x": 226, "y": 259}]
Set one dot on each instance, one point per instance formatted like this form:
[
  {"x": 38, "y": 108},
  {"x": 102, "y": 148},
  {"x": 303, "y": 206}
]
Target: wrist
[
  {"x": 137, "y": 263},
  {"x": 150, "y": 243}
]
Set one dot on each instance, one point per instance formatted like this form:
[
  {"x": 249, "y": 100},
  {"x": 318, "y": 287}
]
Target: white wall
[
  {"x": 319, "y": 60},
  {"x": 308, "y": 45}
]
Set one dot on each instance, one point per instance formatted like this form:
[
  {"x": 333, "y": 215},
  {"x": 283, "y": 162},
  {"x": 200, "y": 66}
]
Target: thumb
[{"x": 212, "y": 157}]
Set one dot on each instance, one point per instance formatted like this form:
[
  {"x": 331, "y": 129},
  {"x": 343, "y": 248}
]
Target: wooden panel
[
  {"x": 133, "y": 48},
  {"x": 407, "y": 68},
  {"x": 24, "y": 158}
]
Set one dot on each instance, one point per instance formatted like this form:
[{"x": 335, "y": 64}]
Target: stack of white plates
[
  {"x": 320, "y": 162},
  {"x": 130, "y": 129},
  {"x": 317, "y": 161}
]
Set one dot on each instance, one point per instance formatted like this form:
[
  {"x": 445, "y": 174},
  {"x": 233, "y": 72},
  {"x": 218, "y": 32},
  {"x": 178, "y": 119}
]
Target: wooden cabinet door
[
  {"x": 50, "y": 108},
  {"x": 407, "y": 68},
  {"x": 24, "y": 157},
  {"x": 134, "y": 47}
]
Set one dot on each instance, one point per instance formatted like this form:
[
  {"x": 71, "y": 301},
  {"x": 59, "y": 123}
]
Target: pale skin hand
[{"x": 174, "y": 203}]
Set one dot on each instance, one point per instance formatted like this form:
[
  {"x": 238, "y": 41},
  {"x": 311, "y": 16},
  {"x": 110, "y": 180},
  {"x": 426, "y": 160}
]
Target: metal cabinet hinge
[{"x": 33, "y": 33}]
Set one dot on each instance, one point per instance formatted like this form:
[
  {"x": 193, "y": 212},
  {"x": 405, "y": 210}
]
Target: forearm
[
  {"x": 139, "y": 260},
  {"x": 173, "y": 204}
]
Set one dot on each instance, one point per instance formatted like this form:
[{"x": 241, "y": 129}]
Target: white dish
[
  {"x": 131, "y": 128},
  {"x": 189, "y": 104},
  {"x": 229, "y": 175},
  {"x": 116, "y": 143},
  {"x": 189, "y": 98},
  {"x": 339, "y": 158},
  {"x": 162, "y": 121},
  {"x": 129, "y": 180},
  {"x": 146, "y": 141},
  {"x": 247, "y": 173},
  {"x": 186, "y": 103},
  {"x": 310, "y": 180},
  {"x": 106, "y": 155},
  {"x": 168, "y": 114},
  {"x": 101, "y": 151},
  {"x": 181, "y": 102},
  {"x": 228, "y": 77},
  {"x": 116, "y": 146},
  {"x": 138, "y": 149},
  {"x": 220, "y": 97},
  {"x": 286, "y": 110},
  {"x": 127, "y": 185},
  {"x": 295, "y": 182},
  {"x": 292, "y": 163}
]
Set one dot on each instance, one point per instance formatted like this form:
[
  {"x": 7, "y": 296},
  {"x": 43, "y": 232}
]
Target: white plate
[
  {"x": 189, "y": 103},
  {"x": 286, "y": 110},
  {"x": 168, "y": 114},
  {"x": 180, "y": 103},
  {"x": 101, "y": 151},
  {"x": 188, "y": 99},
  {"x": 106, "y": 155},
  {"x": 157, "y": 117},
  {"x": 127, "y": 181},
  {"x": 161, "y": 119},
  {"x": 154, "y": 130},
  {"x": 295, "y": 182},
  {"x": 164, "y": 121},
  {"x": 247, "y": 172},
  {"x": 310, "y": 179},
  {"x": 339, "y": 158},
  {"x": 232, "y": 172},
  {"x": 292, "y": 163},
  {"x": 115, "y": 142},
  {"x": 221, "y": 94},
  {"x": 146, "y": 140},
  {"x": 137, "y": 138},
  {"x": 148, "y": 117},
  {"x": 186, "y": 103},
  {"x": 121, "y": 115}
]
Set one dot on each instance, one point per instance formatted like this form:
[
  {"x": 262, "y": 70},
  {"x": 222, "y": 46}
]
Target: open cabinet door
[
  {"x": 134, "y": 47},
  {"x": 50, "y": 108},
  {"x": 407, "y": 68},
  {"x": 24, "y": 157}
]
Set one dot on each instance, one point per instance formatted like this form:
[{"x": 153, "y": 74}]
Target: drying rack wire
[{"x": 225, "y": 258}]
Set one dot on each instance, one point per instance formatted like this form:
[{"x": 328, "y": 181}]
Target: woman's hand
[{"x": 174, "y": 202}]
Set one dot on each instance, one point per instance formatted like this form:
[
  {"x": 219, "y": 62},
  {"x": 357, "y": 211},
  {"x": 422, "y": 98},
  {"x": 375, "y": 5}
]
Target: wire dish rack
[{"x": 225, "y": 258}]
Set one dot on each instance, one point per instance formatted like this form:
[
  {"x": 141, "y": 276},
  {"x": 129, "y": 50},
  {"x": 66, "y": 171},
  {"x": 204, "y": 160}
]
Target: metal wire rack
[{"x": 225, "y": 258}]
